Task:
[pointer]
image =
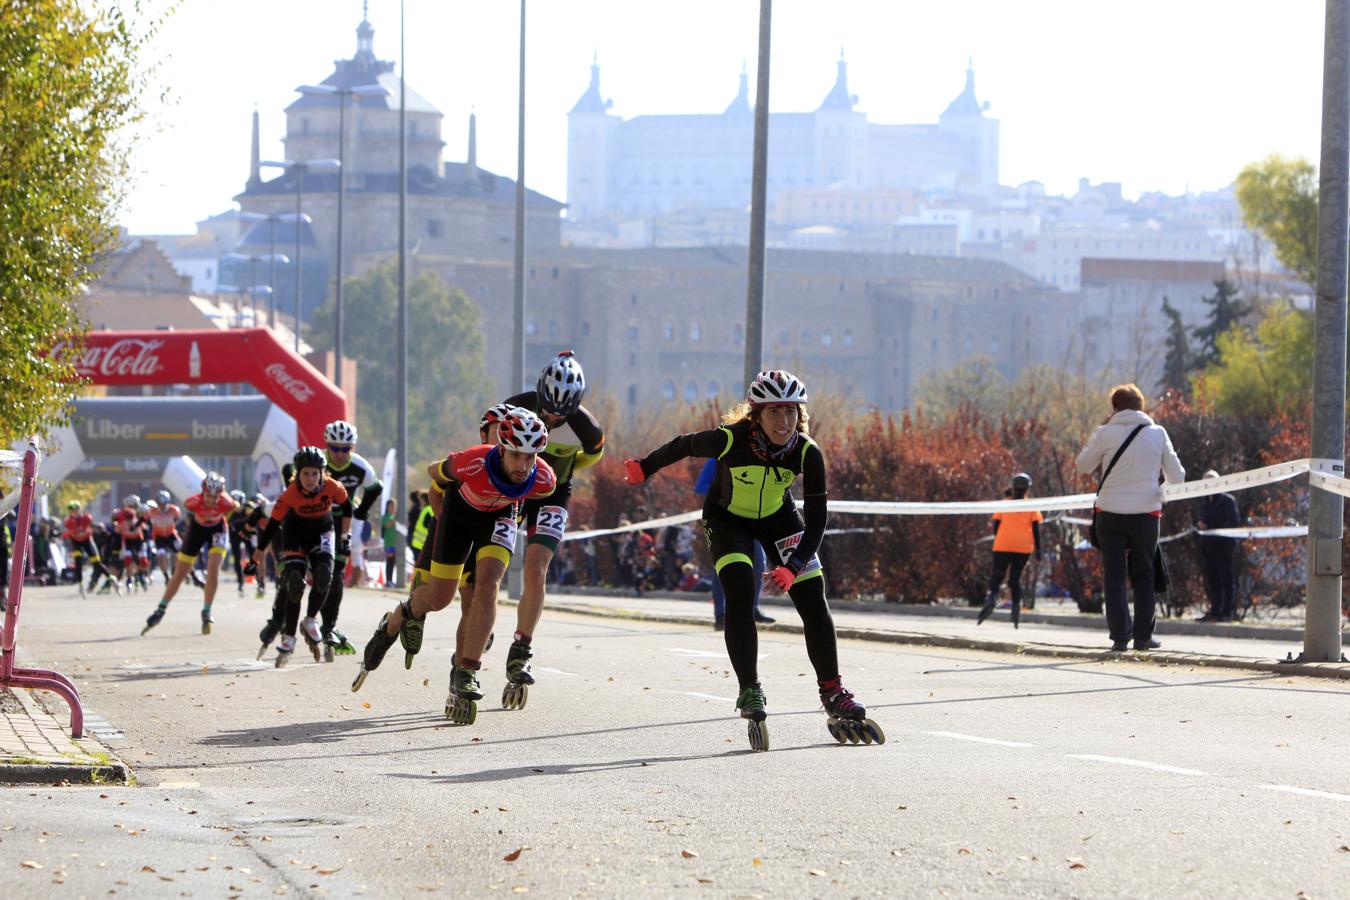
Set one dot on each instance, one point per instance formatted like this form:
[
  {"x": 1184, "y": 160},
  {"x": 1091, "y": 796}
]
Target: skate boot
[
  {"x": 241, "y": 589},
  {"x": 310, "y": 629},
  {"x": 206, "y": 620},
  {"x": 196, "y": 579},
  {"x": 752, "y": 706},
  {"x": 117, "y": 587},
  {"x": 376, "y": 648},
  {"x": 848, "y": 718},
  {"x": 986, "y": 611},
  {"x": 410, "y": 635},
  {"x": 461, "y": 707},
  {"x": 284, "y": 650},
  {"x": 262, "y": 589},
  {"x": 79, "y": 582},
  {"x": 341, "y": 646},
  {"x": 518, "y": 677},
  {"x": 1016, "y": 613},
  {"x": 267, "y": 635},
  {"x": 154, "y": 618}
]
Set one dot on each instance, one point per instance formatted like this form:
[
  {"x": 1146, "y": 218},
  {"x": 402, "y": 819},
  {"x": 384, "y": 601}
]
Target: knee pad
[
  {"x": 293, "y": 583},
  {"x": 323, "y": 575}
]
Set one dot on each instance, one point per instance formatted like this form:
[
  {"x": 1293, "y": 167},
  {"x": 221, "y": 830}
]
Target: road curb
[
  {"x": 1337, "y": 671},
  {"x": 51, "y": 769},
  {"x": 114, "y": 773}
]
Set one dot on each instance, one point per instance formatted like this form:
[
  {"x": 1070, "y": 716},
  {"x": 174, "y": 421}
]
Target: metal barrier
[{"x": 10, "y": 675}]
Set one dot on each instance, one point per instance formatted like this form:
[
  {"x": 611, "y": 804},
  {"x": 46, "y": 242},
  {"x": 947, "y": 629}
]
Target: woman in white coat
[{"x": 1129, "y": 510}]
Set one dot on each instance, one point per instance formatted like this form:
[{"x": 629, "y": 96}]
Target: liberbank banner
[
  {"x": 249, "y": 355},
  {"x": 169, "y": 426}
]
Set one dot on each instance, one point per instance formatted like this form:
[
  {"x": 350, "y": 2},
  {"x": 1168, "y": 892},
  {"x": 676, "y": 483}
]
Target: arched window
[
  {"x": 714, "y": 389},
  {"x": 826, "y": 339},
  {"x": 848, "y": 337},
  {"x": 667, "y": 331},
  {"x": 531, "y": 327},
  {"x": 668, "y": 390},
  {"x": 738, "y": 335},
  {"x": 691, "y": 392},
  {"x": 695, "y": 331}
]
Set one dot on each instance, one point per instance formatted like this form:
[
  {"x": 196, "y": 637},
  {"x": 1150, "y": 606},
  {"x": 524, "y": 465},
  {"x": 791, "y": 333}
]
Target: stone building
[
  {"x": 650, "y": 165},
  {"x": 451, "y": 205}
]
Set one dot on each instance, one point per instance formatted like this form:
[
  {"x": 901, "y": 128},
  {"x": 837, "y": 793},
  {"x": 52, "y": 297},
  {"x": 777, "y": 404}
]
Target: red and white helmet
[
  {"x": 522, "y": 431},
  {"x": 493, "y": 415},
  {"x": 775, "y": 386}
]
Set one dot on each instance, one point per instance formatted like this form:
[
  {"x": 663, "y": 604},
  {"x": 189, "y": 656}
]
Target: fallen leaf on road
[
  {"x": 756, "y": 861},
  {"x": 1075, "y": 862},
  {"x": 902, "y": 807},
  {"x": 815, "y": 872},
  {"x": 520, "y": 889},
  {"x": 502, "y": 809},
  {"x": 426, "y": 681},
  {"x": 327, "y": 871},
  {"x": 147, "y": 869},
  {"x": 31, "y": 864},
  {"x": 475, "y": 740},
  {"x": 513, "y": 855},
  {"x": 365, "y": 705},
  {"x": 689, "y": 854},
  {"x": 1345, "y": 849},
  {"x": 965, "y": 851},
  {"x": 705, "y": 881},
  {"x": 206, "y": 669}
]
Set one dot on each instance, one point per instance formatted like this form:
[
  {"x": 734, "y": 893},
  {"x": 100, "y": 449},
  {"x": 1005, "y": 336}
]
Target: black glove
[
  {"x": 344, "y": 545},
  {"x": 250, "y": 568}
]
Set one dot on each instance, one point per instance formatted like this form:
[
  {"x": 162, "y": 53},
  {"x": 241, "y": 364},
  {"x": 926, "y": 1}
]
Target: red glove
[
  {"x": 782, "y": 577},
  {"x": 632, "y": 472}
]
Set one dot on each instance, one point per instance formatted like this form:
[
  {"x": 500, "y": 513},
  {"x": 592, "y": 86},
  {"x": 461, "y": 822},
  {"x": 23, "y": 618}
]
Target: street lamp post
[
  {"x": 342, "y": 93},
  {"x": 253, "y": 259},
  {"x": 272, "y": 219},
  {"x": 299, "y": 169}
]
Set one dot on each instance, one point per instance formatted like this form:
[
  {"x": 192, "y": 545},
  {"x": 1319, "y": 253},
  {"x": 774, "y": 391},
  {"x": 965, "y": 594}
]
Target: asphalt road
[{"x": 629, "y": 773}]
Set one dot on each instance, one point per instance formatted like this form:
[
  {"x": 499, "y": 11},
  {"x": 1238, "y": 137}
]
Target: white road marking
[
  {"x": 178, "y": 784},
  {"x": 709, "y": 696},
  {"x": 978, "y": 740},
  {"x": 1306, "y": 792},
  {"x": 101, "y": 728},
  {"x": 554, "y": 671},
  {"x": 702, "y": 654},
  {"x": 1137, "y": 763}
]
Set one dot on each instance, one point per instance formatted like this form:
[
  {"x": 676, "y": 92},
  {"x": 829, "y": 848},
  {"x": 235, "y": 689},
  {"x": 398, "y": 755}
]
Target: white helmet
[
  {"x": 340, "y": 432},
  {"x": 133, "y": 501},
  {"x": 164, "y": 498},
  {"x": 151, "y": 505},
  {"x": 523, "y": 431},
  {"x": 213, "y": 483},
  {"x": 493, "y": 415},
  {"x": 775, "y": 386},
  {"x": 561, "y": 385}
]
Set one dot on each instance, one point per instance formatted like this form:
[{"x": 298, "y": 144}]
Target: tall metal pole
[
  {"x": 754, "y": 293},
  {"x": 401, "y": 450},
  {"x": 518, "y": 379},
  {"x": 272, "y": 274},
  {"x": 299, "y": 170},
  {"x": 342, "y": 186},
  {"x": 1322, "y": 625}
]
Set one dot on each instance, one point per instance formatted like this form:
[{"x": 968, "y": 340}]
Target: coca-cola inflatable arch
[{"x": 249, "y": 355}]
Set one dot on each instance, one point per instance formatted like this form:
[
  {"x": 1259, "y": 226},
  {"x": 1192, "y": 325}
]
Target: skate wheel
[
  {"x": 262, "y": 650},
  {"x": 317, "y": 651},
  {"x": 873, "y": 730},
  {"x": 514, "y": 696},
  {"x": 837, "y": 731},
  {"x": 854, "y": 734},
  {"x": 463, "y": 712},
  {"x": 759, "y": 736},
  {"x": 206, "y": 628},
  {"x": 408, "y": 660},
  {"x": 327, "y": 653},
  {"x": 282, "y": 659}
]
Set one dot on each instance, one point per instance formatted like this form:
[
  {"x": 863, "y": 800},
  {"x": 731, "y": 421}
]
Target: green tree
[
  {"x": 1257, "y": 374},
  {"x": 1179, "y": 362},
  {"x": 448, "y": 386},
  {"x": 1278, "y": 197},
  {"x": 68, "y": 84},
  {"x": 1226, "y": 312},
  {"x": 974, "y": 382}
]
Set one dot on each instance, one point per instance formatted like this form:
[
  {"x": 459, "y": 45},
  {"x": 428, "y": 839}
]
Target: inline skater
[
  {"x": 575, "y": 442},
  {"x": 239, "y": 554},
  {"x": 79, "y": 530},
  {"x": 1016, "y": 536},
  {"x": 164, "y": 521},
  {"x": 490, "y": 481},
  {"x": 763, "y": 447},
  {"x": 206, "y": 531},
  {"x": 304, "y": 513},
  {"x": 353, "y": 472},
  {"x": 130, "y": 530}
]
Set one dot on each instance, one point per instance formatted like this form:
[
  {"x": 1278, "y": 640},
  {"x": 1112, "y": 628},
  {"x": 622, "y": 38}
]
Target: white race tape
[
  {"x": 1333, "y": 483},
  {"x": 636, "y": 526},
  {"x": 1328, "y": 466},
  {"x": 959, "y": 507},
  {"x": 1238, "y": 480}
]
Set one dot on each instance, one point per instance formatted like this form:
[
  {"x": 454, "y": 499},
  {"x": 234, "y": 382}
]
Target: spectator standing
[
  {"x": 1134, "y": 455},
  {"x": 389, "y": 537},
  {"x": 1219, "y": 554}
]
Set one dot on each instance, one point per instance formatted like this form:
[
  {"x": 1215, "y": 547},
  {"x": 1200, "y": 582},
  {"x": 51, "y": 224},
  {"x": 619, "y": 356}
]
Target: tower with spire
[
  {"x": 591, "y": 130},
  {"x": 841, "y": 145},
  {"x": 974, "y": 135}
]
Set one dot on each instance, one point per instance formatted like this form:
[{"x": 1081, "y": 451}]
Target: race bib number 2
[
  {"x": 551, "y": 521},
  {"x": 504, "y": 533},
  {"x": 785, "y": 548},
  {"x": 221, "y": 539},
  {"x": 326, "y": 542}
]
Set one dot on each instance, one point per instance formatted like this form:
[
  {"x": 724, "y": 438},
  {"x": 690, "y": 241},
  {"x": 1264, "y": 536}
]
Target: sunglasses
[{"x": 339, "y": 448}]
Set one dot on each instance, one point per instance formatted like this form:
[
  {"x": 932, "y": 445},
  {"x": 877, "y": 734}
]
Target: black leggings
[
  {"x": 728, "y": 534},
  {"x": 1012, "y": 564}
]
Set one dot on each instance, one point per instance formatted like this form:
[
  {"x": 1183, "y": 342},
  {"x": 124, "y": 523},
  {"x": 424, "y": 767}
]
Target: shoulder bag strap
[{"x": 1116, "y": 458}]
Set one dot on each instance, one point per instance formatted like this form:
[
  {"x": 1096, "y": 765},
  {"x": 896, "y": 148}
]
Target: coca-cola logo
[
  {"x": 120, "y": 359},
  {"x": 298, "y": 389}
]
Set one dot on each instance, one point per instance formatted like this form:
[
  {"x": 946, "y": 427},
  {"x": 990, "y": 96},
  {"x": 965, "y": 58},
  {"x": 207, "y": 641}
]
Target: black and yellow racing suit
[{"x": 749, "y": 501}]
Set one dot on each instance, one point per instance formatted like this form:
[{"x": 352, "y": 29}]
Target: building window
[
  {"x": 970, "y": 343},
  {"x": 632, "y": 395},
  {"x": 531, "y": 327},
  {"x": 668, "y": 389},
  {"x": 806, "y": 338},
  {"x": 738, "y": 335},
  {"x": 632, "y": 299},
  {"x": 631, "y": 333},
  {"x": 932, "y": 345},
  {"x": 552, "y": 328},
  {"x": 555, "y": 271},
  {"x": 848, "y": 337},
  {"x": 304, "y": 125},
  {"x": 695, "y": 332},
  {"x": 934, "y": 314},
  {"x": 433, "y": 228},
  {"x": 713, "y": 390},
  {"x": 993, "y": 344},
  {"x": 826, "y": 339},
  {"x": 585, "y": 328},
  {"x": 667, "y": 331},
  {"x": 691, "y": 392}
]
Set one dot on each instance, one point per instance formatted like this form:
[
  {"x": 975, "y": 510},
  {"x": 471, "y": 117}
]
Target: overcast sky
[{"x": 1156, "y": 95}]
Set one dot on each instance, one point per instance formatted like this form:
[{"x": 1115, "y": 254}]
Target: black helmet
[
  {"x": 1021, "y": 481},
  {"x": 309, "y": 458}
]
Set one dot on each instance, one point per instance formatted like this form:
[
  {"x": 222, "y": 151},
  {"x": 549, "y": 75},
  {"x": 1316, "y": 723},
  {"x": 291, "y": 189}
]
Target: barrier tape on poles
[{"x": 1333, "y": 483}]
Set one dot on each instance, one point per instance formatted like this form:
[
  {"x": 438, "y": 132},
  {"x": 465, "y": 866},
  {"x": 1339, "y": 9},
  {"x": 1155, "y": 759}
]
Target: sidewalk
[
  {"x": 1058, "y": 635},
  {"x": 36, "y": 747}
]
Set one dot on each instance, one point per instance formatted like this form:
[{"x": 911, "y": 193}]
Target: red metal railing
[{"x": 10, "y": 675}]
